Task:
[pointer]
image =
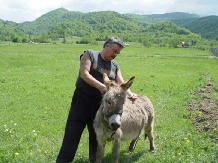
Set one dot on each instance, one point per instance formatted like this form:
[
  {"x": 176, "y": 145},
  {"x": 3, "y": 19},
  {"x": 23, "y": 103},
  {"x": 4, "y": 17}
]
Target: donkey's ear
[
  {"x": 127, "y": 85},
  {"x": 106, "y": 79}
]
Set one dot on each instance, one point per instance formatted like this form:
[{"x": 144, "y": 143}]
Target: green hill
[
  {"x": 95, "y": 26},
  {"x": 11, "y": 31},
  {"x": 173, "y": 15},
  {"x": 206, "y": 26},
  {"x": 50, "y": 19},
  {"x": 154, "y": 18}
]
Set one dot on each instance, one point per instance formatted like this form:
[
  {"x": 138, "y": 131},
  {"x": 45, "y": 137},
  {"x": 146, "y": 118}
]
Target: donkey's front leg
[
  {"x": 116, "y": 150},
  {"x": 100, "y": 151}
]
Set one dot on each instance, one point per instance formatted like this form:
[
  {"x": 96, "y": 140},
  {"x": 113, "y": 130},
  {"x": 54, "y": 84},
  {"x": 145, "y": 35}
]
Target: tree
[
  {"x": 146, "y": 43},
  {"x": 63, "y": 34},
  {"x": 175, "y": 41},
  {"x": 43, "y": 38}
]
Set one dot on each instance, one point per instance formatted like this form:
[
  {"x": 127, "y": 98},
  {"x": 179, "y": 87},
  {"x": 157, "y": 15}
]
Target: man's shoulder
[
  {"x": 115, "y": 63},
  {"x": 92, "y": 52}
]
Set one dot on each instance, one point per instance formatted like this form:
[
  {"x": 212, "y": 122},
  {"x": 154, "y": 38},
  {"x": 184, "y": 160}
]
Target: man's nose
[{"x": 115, "y": 54}]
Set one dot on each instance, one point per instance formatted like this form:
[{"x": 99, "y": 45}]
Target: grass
[{"x": 36, "y": 87}]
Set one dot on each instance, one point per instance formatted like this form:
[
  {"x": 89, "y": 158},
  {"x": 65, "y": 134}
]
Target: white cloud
[{"x": 26, "y": 10}]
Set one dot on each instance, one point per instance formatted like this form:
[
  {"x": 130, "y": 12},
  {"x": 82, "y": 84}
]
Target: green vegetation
[
  {"x": 36, "y": 86},
  {"x": 150, "y": 30},
  {"x": 206, "y": 26}
]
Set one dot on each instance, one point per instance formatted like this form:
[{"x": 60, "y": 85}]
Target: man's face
[{"x": 111, "y": 51}]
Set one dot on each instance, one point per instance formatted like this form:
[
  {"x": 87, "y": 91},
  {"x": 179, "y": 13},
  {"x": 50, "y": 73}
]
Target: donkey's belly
[
  {"x": 131, "y": 129},
  {"x": 130, "y": 136}
]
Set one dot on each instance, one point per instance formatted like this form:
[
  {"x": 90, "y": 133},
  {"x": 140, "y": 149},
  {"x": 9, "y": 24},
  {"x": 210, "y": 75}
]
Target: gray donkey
[{"x": 119, "y": 119}]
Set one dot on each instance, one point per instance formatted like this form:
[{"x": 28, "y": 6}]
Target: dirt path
[{"x": 204, "y": 111}]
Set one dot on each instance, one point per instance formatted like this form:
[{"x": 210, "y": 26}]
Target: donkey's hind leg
[
  {"x": 133, "y": 144},
  {"x": 145, "y": 136},
  {"x": 151, "y": 140}
]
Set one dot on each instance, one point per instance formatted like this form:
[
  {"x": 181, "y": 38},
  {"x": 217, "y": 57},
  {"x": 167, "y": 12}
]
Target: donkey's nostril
[{"x": 115, "y": 126}]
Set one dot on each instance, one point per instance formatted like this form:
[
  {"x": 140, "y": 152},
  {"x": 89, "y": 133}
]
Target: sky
[{"x": 29, "y": 10}]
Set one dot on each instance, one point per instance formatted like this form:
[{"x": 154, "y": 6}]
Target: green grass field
[{"x": 36, "y": 87}]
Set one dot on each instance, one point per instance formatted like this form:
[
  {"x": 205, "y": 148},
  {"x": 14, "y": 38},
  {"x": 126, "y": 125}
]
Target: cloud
[{"x": 26, "y": 10}]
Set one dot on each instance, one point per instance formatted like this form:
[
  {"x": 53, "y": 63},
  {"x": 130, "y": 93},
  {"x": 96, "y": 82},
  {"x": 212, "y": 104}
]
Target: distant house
[
  {"x": 185, "y": 44},
  {"x": 30, "y": 42}
]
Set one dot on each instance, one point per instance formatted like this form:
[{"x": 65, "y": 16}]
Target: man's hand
[
  {"x": 102, "y": 88},
  {"x": 132, "y": 97}
]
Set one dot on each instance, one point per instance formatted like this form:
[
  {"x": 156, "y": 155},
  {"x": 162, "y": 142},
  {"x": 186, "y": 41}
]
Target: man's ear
[{"x": 106, "y": 45}]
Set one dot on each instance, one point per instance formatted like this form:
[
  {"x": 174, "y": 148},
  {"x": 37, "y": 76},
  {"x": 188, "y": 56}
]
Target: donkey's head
[{"x": 113, "y": 101}]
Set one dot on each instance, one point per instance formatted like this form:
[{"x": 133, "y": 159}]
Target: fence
[{"x": 214, "y": 52}]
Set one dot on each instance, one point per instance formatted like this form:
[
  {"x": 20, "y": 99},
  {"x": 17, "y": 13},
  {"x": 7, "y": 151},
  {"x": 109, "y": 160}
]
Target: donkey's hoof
[
  {"x": 129, "y": 152},
  {"x": 152, "y": 150}
]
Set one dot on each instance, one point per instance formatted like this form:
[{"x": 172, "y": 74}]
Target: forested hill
[
  {"x": 61, "y": 15},
  {"x": 154, "y": 18},
  {"x": 48, "y": 20},
  {"x": 100, "y": 25},
  {"x": 206, "y": 26},
  {"x": 173, "y": 15},
  {"x": 96, "y": 26}
]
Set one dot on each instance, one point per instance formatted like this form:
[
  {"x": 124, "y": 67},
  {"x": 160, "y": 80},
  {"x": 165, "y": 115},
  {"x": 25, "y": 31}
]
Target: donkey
[{"x": 119, "y": 119}]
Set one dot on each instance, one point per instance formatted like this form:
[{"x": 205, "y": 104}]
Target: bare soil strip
[{"x": 204, "y": 110}]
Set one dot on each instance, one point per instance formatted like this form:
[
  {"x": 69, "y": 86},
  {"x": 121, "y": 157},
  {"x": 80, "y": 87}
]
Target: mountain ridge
[{"x": 135, "y": 12}]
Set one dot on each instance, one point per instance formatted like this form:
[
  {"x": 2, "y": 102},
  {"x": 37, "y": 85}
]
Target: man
[{"x": 88, "y": 95}]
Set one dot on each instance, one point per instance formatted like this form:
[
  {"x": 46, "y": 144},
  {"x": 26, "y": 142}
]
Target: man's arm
[
  {"x": 119, "y": 77},
  {"x": 119, "y": 80},
  {"x": 85, "y": 65}
]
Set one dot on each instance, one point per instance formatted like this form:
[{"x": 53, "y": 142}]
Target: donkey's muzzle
[
  {"x": 115, "y": 126},
  {"x": 114, "y": 119}
]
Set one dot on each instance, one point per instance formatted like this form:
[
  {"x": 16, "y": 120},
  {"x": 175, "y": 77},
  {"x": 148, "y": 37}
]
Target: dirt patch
[{"x": 204, "y": 111}]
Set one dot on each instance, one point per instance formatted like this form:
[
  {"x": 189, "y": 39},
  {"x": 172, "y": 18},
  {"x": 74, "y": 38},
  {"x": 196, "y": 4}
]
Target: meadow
[{"x": 37, "y": 83}]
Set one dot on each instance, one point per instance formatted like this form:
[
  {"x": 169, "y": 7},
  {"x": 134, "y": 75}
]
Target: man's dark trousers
[{"x": 82, "y": 112}]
